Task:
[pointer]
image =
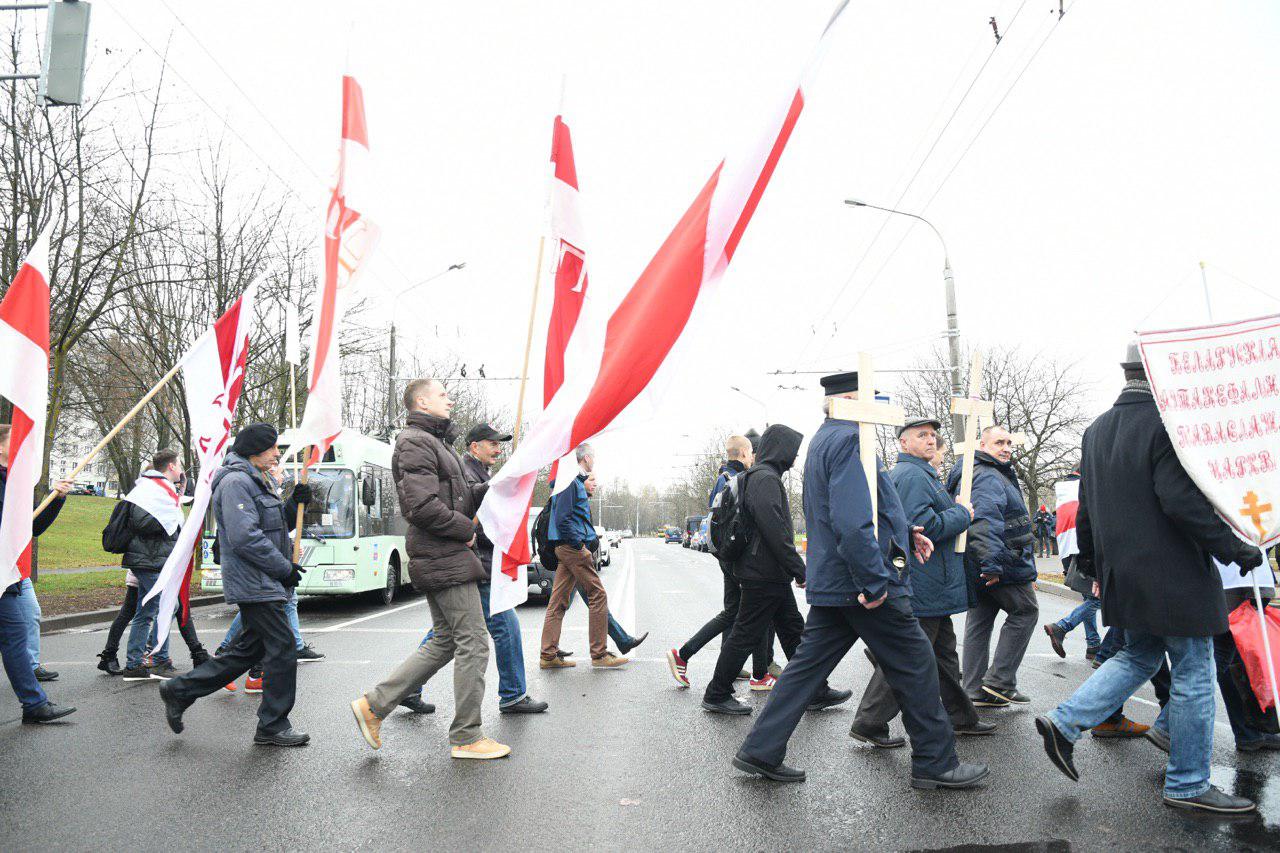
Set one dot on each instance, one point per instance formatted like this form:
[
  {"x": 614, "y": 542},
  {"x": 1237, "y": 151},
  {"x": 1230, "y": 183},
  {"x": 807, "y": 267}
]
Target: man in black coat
[
  {"x": 1148, "y": 532},
  {"x": 765, "y": 573}
]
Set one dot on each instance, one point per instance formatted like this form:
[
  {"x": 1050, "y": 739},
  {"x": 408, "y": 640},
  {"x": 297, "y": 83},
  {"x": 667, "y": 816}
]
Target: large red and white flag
[
  {"x": 1068, "y": 501},
  {"x": 638, "y": 356},
  {"x": 213, "y": 374},
  {"x": 24, "y": 382},
  {"x": 349, "y": 239}
]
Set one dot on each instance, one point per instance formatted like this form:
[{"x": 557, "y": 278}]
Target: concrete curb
[
  {"x": 78, "y": 620},
  {"x": 1058, "y": 589}
]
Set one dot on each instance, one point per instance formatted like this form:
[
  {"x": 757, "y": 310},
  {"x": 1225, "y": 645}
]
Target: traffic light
[{"x": 66, "y": 44}]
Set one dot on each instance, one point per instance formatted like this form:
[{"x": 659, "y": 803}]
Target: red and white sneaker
[
  {"x": 230, "y": 688},
  {"x": 679, "y": 669},
  {"x": 763, "y": 685},
  {"x": 253, "y": 685}
]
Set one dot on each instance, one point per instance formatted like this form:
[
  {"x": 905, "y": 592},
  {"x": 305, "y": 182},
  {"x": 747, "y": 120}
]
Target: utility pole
[{"x": 60, "y": 82}]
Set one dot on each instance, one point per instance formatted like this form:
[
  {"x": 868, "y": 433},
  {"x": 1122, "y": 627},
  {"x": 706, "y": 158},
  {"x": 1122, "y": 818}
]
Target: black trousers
[
  {"x": 266, "y": 637},
  {"x": 722, "y": 623},
  {"x": 125, "y": 616},
  {"x": 879, "y": 705},
  {"x": 761, "y": 608},
  {"x": 901, "y": 648}
]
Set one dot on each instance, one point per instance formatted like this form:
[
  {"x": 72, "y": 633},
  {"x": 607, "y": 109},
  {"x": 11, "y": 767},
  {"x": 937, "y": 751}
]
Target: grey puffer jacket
[{"x": 253, "y": 534}]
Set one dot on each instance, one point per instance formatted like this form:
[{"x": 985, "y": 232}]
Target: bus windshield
[{"x": 332, "y": 511}]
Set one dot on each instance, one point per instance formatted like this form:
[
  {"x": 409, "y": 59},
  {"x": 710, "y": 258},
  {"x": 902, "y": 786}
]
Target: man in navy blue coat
[
  {"x": 857, "y": 588},
  {"x": 939, "y": 588}
]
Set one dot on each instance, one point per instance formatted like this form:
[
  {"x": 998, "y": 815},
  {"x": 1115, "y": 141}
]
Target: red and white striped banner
[
  {"x": 1068, "y": 500},
  {"x": 637, "y": 358},
  {"x": 24, "y": 382}
]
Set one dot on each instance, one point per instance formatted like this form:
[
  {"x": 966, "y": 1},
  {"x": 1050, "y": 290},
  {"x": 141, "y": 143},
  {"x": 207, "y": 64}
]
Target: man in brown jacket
[{"x": 440, "y": 506}]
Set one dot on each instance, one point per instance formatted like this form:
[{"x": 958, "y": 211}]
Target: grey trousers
[
  {"x": 460, "y": 636},
  {"x": 1019, "y": 602},
  {"x": 879, "y": 705}
]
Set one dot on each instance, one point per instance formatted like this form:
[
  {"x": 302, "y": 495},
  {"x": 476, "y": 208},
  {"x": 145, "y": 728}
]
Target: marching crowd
[{"x": 882, "y": 567}]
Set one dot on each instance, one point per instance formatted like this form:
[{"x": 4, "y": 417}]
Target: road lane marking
[{"x": 378, "y": 615}]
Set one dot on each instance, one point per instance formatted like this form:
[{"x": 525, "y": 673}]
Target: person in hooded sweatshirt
[
  {"x": 258, "y": 576},
  {"x": 765, "y": 573}
]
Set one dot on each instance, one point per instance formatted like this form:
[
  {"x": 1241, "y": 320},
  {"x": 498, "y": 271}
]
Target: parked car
[
  {"x": 83, "y": 489},
  {"x": 701, "y": 540},
  {"x": 674, "y": 535},
  {"x": 690, "y": 527},
  {"x": 540, "y": 579},
  {"x": 604, "y": 553}
]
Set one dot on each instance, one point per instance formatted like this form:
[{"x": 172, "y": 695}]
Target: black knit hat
[{"x": 254, "y": 439}]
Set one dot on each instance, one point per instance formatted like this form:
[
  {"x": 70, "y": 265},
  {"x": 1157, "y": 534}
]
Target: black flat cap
[
  {"x": 254, "y": 439},
  {"x": 918, "y": 422},
  {"x": 840, "y": 383},
  {"x": 484, "y": 432}
]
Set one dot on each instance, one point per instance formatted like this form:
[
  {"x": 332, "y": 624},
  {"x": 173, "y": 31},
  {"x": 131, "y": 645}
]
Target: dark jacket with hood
[
  {"x": 478, "y": 475},
  {"x": 253, "y": 533},
  {"x": 1000, "y": 540},
  {"x": 938, "y": 586},
  {"x": 438, "y": 503},
  {"x": 771, "y": 555},
  {"x": 39, "y": 525},
  {"x": 729, "y": 468}
]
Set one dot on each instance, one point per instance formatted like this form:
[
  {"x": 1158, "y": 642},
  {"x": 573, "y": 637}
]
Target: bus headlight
[{"x": 336, "y": 576}]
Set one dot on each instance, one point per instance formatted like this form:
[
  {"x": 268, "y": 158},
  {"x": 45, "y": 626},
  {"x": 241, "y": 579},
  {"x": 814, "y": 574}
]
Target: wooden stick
[
  {"x": 297, "y": 526},
  {"x": 867, "y": 437},
  {"x": 164, "y": 380},
  {"x": 528, "y": 344},
  {"x": 970, "y": 445}
]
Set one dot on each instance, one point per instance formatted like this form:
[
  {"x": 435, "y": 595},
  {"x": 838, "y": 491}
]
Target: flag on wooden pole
[{"x": 24, "y": 382}]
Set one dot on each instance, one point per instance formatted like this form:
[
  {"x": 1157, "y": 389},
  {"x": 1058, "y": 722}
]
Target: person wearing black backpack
[{"x": 765, "y": 570}]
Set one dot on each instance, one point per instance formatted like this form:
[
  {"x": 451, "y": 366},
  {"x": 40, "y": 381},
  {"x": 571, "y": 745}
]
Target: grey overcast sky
[{"x": 1140, "y": 138}]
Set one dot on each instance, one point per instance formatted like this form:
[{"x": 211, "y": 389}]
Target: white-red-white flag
[
  {"x": 1068, "y": 499},
  {"x": 24, "y": 382},
  {"x": 213, "y": 374},
  {"x": 639, "y": 353},
  {"x": 349, "y": 239}
]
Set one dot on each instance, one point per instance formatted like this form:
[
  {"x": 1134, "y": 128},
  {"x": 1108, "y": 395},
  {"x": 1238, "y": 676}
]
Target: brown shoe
[
  {"x": 609, "y": 661},
  {"x": 555, "y": 663},
  {"x": 483, "y": 749},
  {"x": 370, "y": 723},
  {"x": 1125, "y": 728}
]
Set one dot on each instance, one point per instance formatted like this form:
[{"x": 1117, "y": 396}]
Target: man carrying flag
[{"x": 24, "y": 340}]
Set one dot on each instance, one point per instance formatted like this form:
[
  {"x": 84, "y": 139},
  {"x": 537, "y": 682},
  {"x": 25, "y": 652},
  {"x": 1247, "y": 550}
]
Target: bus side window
[{"x": 371, "y": 522}]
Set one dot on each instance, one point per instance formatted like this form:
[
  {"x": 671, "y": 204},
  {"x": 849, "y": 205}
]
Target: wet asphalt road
[{"x": 623, "y": 760}]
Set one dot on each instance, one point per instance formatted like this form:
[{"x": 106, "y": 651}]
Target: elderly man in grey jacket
[{"x": 257, "y": 575}]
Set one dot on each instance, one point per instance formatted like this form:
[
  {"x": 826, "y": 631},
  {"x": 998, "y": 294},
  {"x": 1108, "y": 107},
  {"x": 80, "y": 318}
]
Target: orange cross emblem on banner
[{"x": 1254, "y": 511}]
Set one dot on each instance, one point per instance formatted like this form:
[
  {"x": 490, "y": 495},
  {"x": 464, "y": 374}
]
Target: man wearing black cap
[
  {"x": 257, "y": 575},
  {"x": 857, "y": 588},
  {"x": 938, "y": 588}
]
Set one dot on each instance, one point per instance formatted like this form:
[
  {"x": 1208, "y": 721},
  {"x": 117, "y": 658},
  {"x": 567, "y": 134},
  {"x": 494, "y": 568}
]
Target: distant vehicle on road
[
  {"x": 627, "y": 534},
  {"x": 673, "y": 534},
  {"x": 690, "y": 527},
  {"x": 604, "y": 553},
  {"x": 84, "y": 489},
  {"x": 701, "y": 540},
  {"x": 540, "y": 578}
]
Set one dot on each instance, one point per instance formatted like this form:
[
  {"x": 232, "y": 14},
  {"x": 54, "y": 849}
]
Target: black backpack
[
  {"x": 730, "y": 523},
  {"x": 541, "y": 543},
  {"x": 117, "y": 535}
]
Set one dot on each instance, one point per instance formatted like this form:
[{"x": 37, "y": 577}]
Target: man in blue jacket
[
  {"x": 938, "y": 588},
  {"x": 857, "y": 588},
  {"x": 999, "y": 560}
]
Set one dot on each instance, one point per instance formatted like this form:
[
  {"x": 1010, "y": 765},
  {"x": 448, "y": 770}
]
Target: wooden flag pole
[
  {"x": 164, "y": 380},
  {"x": 528, "y": 344},
  {"x": 971, "y": 408},
  {"x": 866, "y": 412}
]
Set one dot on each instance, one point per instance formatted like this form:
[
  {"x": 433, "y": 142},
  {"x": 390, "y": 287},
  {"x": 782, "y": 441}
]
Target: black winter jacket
[
  {"x": 771, "y": 555},
  {"x": 149, "y": 543}
]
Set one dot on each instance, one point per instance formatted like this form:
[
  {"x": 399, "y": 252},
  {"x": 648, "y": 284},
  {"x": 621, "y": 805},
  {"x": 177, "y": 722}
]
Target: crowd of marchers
[{"x": 1153, "y": 557}]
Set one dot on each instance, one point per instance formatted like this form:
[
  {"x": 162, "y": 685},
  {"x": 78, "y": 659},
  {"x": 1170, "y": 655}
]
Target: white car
[{"x": 606, "y": 548}]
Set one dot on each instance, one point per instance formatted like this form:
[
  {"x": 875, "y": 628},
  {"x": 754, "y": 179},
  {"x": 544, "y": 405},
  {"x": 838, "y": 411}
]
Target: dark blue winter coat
[
  {"x": 845, "y": 557},
  {"x": 1000, "y": 539},
  {"x": 254, "y": 547},
  {"x": 571, "y": 516},
  {"x": 730, "y": 468},
  {"x": 939, "y": 586}
]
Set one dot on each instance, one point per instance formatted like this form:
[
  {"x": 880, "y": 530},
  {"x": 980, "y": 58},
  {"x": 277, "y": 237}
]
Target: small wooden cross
[
  {"x": 866, "y": 412},
  {"x": 1254, "y": 511},
  {"x": 972, "y": 408}
]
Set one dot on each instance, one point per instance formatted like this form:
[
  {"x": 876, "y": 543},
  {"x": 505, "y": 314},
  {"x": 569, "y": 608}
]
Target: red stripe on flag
[
  {"x": 26, "y": 306},
  {"x": 19, "y": 432},
  {"x": 564, "y": 317},
  {"x": 649, "y": 320},
  {"x": 788, "y": 125},
  {"x": 353, "y": 124},
  {"x": 562, "y": 153},
  {"x": 225, "y": 329}
]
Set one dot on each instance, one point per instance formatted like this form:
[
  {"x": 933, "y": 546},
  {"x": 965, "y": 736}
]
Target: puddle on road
[{"x": 1261, "y": 830}]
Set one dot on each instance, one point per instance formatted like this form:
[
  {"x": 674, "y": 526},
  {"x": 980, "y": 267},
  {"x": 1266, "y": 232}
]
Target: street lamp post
[
  {"x": 391, "y": 377},
  {"x": 953, "y": 326}
]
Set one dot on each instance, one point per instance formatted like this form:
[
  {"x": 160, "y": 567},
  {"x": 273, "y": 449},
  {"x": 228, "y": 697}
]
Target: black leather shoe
[
  {"x": 109, "y": 664},
  {"x": 830, "y": 698},
  {"x": 1216, "y": 801},
  {"x": 635, "y": 644},
  {"x": 173, "y": 708},
  {"x": 527, "y": 705},
  {"x": 1058, "y": 748},
  {"x": 562, "y": 654},
  {"x": 1262, "y": 744},
  {"x": 962, "y": 776},
  {"x": 417, "y": 705},
  {"x": 1056, "y": 637},
  {"x": 1159, "y": 738},
  {"x": 43, "y": 674},
  {"x": 727, "y": 706},
  {"x": 778, "y": 772},
  {"x": 978, "y": 728},
  {"x": 288, "y": 737},
  {"x": 881, "y": 739},
  {"x": 47, "y": 713}
]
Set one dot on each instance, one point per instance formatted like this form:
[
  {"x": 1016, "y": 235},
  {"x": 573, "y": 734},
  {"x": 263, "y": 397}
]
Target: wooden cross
[
  {"x": 972, "y": 408},
  {"x": 865, "y": 411},
  {"x": 1254, "y": 511}
]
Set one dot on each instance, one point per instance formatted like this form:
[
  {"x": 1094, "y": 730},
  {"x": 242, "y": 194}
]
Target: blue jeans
[
  {"x": 13, "y": 647},
  {"x": 142, "y": 628},
  {"x": 290, "y": 611},
  {"x": 616, "y": 632},
  {"x": 507, "y": 650},
  {"x": 1086, "y": 615},
  {"x": 1187, "y": 718},
  {"x": 31, "y": 606}
]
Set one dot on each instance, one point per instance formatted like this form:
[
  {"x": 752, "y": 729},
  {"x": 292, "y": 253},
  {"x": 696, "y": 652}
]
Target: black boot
[
  {"x": 108, "y": 663},
  {"x": 199, "y": 656}
]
